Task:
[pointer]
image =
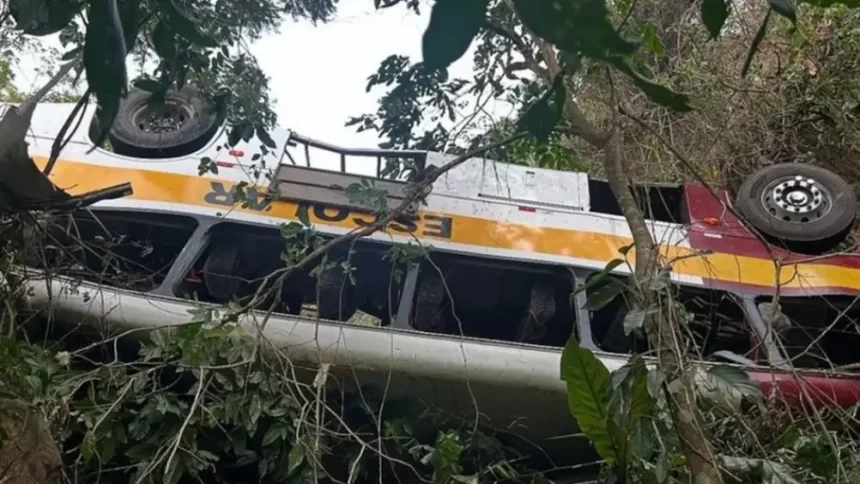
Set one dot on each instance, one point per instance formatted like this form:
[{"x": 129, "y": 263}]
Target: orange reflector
[
  {"x": 238, "y": 153},
  {"x": 711, "y": 220}
]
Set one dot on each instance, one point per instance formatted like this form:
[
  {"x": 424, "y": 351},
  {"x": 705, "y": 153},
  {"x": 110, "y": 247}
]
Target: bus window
[
  {"x": 486, "y": 298},
  {"x": 607, "y": 320},
  {"x": 710, "y": 321},
  {"x": 818, "y": 332},
  {"x": 239, "y": 258},
  {"x": 124, "y": 249}
]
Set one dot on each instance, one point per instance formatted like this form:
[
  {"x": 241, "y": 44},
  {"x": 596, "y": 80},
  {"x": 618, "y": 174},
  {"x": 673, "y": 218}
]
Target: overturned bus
[{"x": 466, "y": 299}]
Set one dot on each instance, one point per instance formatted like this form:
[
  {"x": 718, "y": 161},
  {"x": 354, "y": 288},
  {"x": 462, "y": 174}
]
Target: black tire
[
  {"x": 199, "y": 124},
  {"x": 780, "y": 201}
]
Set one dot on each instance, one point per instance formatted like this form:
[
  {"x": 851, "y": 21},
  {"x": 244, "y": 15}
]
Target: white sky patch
[{"x": 319, "y": 73}]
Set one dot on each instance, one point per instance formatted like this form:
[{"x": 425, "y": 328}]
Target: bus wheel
[
  {"x": 184, "y": 125},
  {"x": 798, "y": 203}
]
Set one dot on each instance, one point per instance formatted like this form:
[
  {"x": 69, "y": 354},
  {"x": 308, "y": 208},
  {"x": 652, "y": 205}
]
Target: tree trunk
[{"x": 661, "y": 330}]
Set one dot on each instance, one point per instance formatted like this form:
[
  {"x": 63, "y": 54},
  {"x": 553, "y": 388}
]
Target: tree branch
[
  {"x": 413, "y": 192},
  {"x": 26, "y": 108},
  {"x": 59, "y": 144},
  {"x": 697, "y": 175},
  {"x": 662, "y": 333}
]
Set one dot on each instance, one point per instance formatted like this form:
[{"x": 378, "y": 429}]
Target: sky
[{"x": 319, "y": 73}]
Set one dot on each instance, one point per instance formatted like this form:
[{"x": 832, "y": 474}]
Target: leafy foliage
[
  {"x": 197, "y": 401},
  {"x": 575, "y": 26},
  {"x": 194, "y": 41},
  {"x": 404, "y": 108},
  {"x": 453, "y": 25},
  {"x": 543, "y": 115}
]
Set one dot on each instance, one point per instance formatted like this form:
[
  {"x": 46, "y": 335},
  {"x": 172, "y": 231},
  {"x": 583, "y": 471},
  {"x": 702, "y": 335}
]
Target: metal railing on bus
[{"x": 405, "y": 158}]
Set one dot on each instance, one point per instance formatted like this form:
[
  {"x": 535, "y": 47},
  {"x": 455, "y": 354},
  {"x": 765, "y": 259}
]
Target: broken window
[
  {"x": 717, "y": 323},
  {"x": 483, "y": 298},
  {"x": 711, "y": 322},
  {"x": 660, "y": 202},
  {"x": 607, "y": 317},
  {"x": 817, "y": 332},
  {"x": 125, "y": 249},
  {"x": 357, "y": 284}
]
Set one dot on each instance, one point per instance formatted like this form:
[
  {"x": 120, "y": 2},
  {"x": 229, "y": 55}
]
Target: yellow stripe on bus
[{"x": 76, "y": 178}]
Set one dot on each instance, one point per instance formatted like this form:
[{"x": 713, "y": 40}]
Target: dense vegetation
[{"x": 765, "y": 82}]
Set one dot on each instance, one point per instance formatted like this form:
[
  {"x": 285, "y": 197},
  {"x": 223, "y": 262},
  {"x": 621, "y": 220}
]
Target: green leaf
[
  {"x": 264, "y": 136},
  {"x": 587, "y": 387},
  {"x": 148, "y": 85},
  {"x": 760, "y": 470},
  {"x": 651, "y": 41},
  {"x": 657, "y": 93},
  {"x": 603, "y": 295},
  {"x": 185, "y": 26},
  {"x": 759, "y": 36},
  {"x": 575, "y": 26},
  {"x": 71, "y": 54},
  {"x": 297, "y": 457},
  {"x": 736, "y": 378},
  {"x": 656, "y": 378},
  {"x": 629, "y": 403},
  {"x": 131, "y": 16},
  {"x": 625, "y": 249},
  {"x": 88, "y": 446},
  {"x": 275, "y": 432},
  {"x": 235, "y": 135},
  {"x": 643, "y": 440},
  {"x": 446, "y": 456},
  {"x": 714, "y": 15},
  {"x": 43, "y": 17},
  {"x": 661, "y": 470},
  {"x": 164, "y": 42},
  {"x": 303, "y": 216},
  {"x": 727, "y": 386},
  {"x": 543, "y": 115},
  {"x": 104, "y": 62},
  {"x": 634, "y": 320},
  {"x": 173, "y": 472},
  {"x": 108, "y": 445},
  {"x": 255, "y": 409},
  {"x": 453, "y": 25},
  {"x": 601, "y": 276},
  {"x": 786, "y": 8},
  {"x": 247, "y": 132}
]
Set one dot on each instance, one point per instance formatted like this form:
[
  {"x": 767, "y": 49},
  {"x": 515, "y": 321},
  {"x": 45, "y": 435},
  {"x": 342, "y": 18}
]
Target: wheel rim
[
  {"x": 168, "y": 118},
  {"x": 796, "y": 199}
]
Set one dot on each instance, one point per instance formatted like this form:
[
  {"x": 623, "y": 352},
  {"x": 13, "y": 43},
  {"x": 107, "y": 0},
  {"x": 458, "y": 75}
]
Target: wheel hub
[
  {"x": 165, "y": 119},
  {"x": 796, "y": 199}
]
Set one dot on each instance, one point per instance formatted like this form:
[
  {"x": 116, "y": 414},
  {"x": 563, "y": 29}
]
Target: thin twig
[
  {"x": 413, "y": 192},
  {"x": 699, "y": 178},
  {"x": 178, "y": 438},
  {"x": 59, "y": 143}
]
